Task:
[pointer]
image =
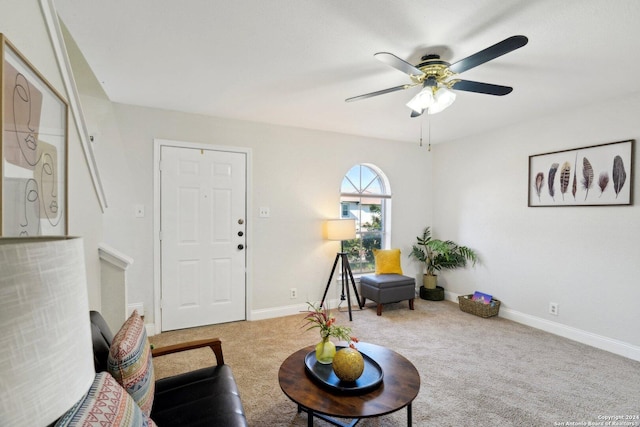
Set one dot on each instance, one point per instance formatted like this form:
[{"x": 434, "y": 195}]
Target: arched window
[{"x": 365, "y": 196}]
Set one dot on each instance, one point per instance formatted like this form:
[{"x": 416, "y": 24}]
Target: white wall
[
  {"x": 22, "y": 22},
  {"x": 583, "y": 258},
  {"x": 297, "y": 174}
]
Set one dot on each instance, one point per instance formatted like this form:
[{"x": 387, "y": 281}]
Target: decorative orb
[{"x": 348, "y": 364}]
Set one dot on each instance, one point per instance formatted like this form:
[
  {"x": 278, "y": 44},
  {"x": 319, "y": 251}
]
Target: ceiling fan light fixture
[
  {"x": 438, "y": 77},
  {"x": 443, "y": 98},
  {"x": 423, "y": 100}
]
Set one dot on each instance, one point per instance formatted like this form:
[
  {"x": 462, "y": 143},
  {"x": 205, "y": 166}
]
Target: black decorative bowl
[{"x": 370, "y": 379}]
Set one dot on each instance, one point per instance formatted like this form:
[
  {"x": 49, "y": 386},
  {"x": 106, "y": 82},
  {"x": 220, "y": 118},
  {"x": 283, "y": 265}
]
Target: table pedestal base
[{"x": 353, "y": 422}]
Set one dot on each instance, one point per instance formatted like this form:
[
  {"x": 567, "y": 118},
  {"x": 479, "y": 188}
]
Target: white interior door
[{"x": 203, "y": 234}]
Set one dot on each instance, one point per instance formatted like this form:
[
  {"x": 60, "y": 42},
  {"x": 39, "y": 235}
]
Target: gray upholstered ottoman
[{"x": 386, "y": 288}]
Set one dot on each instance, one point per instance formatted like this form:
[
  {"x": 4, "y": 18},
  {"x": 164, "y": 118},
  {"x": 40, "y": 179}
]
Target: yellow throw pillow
[{"x": 387, "y": 261}]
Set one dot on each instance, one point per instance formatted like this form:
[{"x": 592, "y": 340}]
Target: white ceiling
[{"x": 293, "y": 62}]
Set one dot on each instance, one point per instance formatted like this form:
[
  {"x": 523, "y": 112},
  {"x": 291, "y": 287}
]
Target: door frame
[{"x": 157, "y": 272}]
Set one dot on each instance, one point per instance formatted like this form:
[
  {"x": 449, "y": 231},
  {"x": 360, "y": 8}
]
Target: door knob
[
  {"x": 241, "y": 247},
  {"x": 241, "y": 221}
]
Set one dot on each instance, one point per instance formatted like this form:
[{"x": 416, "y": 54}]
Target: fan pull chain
[{"x": 429, "y": 134}]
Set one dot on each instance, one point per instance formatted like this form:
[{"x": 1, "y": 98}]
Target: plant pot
[
  {"x": 430, "y": 281},
  {"x": 436, "y": 294}
]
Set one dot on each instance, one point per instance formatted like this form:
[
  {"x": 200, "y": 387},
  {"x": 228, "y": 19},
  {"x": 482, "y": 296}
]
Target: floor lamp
[{"x": 342, "y": 229}]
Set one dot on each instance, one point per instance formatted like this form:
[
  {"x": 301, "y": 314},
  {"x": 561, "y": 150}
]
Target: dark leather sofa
[{"x": 204, "y": 397}]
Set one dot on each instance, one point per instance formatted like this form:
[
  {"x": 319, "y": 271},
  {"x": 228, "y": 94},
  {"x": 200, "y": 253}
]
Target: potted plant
[
  {"x": 439, "y": 254},
  {"x": 320, "y": 317}
]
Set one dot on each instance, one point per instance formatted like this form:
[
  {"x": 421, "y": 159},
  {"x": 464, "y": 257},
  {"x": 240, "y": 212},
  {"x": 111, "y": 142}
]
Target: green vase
[{"x": 325, "y": 350}]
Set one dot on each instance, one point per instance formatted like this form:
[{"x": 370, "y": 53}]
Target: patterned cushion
[
  {"x": 387, "y": 261},
  {"x": 130, "y": 362},
  {"x": 105, "y": 404}
]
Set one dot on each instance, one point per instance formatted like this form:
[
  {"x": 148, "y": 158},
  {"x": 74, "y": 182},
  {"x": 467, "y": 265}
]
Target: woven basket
[{"x": 478, "y": 308}]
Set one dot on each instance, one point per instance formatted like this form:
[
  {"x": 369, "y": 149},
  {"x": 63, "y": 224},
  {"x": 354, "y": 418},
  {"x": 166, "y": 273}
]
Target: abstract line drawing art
[
  {"x": 34, "y": 150},
  {"x": 598, "y": 175}
]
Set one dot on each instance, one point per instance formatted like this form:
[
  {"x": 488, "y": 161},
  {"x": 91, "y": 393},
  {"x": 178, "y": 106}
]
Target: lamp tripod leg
[
  {"x": 348, "y": 275},
  {"x": 345, "y": 266},
  {"x": 333, "y": 270},
  {"x": 355, "y": 290}
]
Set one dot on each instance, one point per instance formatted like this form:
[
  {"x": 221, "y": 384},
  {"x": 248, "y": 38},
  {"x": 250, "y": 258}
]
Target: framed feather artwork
[{"x": 598, "y": 175}]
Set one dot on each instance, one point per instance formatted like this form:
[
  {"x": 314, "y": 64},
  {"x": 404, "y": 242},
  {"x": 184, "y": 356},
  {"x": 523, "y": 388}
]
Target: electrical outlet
[
  {"x": 553, "y": 308},
  {"x": 293, "y": 293},
  {"x": 264, "y": 212}
]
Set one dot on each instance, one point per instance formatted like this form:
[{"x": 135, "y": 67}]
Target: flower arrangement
[{"x": 319, "y": 317}]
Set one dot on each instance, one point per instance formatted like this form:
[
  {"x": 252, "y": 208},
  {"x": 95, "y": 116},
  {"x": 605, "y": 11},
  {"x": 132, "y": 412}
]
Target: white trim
[
  {"x": 114, "y": 257},
  {"x": 618, "y": 347},
  {"x": 613, "y": 346},
  {"x": 150, "y": 329},
  {"x": 288, "y": 310},
  {"x": 157, "y": 289},
  {"x": 270, "y": 313},
  {"x": 57, "y": 40},
  {"x": 368, "y": 196}
]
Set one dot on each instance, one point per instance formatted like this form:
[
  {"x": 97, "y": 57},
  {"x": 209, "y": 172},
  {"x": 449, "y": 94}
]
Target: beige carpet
[{"x": 474, "y": 371}]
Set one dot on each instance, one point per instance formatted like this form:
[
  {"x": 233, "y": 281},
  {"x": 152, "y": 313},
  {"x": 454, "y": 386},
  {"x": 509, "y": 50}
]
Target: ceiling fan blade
[
  {"x": 380, "y": 92},
  {"x": 486, "y": 88},
  {"x": 505, "y": 46},
  {"x": 398, "y": 64}
]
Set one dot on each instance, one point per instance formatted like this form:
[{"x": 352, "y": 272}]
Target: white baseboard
[
  {"x": 620, "y": 348},
  {"x": 598, "y": 341},
  {"x": 268, "y": 313},
  {"x": 150, "y": 328},
  {"x": 288, "y": 310}
]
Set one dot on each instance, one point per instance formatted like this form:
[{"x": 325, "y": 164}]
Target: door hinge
[{"x": 160, "y": 235}]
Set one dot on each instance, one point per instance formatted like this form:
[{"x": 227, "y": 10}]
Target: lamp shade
[
  {"x": 434, "y": 99},
  {"x": 46, "y": 356},
  {"x": 444, "y": 97},
  {"x": 423, "y": 100},
  {"x": 340, "y": 229}
]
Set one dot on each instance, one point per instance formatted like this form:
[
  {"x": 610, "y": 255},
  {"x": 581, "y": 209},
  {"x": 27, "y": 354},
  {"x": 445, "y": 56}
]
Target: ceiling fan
[{"x": 438, "y": 77}]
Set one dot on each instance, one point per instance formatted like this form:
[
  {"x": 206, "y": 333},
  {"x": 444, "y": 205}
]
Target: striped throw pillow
[
  {"x": 130, "y": 362},
  {"x": 105, "y": 404}
]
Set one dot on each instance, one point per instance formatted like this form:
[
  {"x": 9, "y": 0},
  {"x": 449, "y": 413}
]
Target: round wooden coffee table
[{"x": 400, "y": 386}]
